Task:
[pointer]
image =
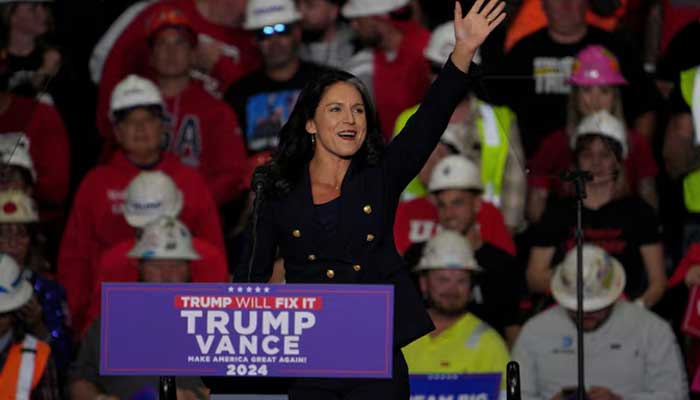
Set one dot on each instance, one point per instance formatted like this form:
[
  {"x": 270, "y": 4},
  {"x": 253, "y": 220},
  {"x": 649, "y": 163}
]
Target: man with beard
[
  {"x": 326, "y": 40},
  {"x": 456, "y": 187},
  {"x": 461, "y": 342},
  {"x": 630, "y": 352},
  {"x": 264, "y": 98}
]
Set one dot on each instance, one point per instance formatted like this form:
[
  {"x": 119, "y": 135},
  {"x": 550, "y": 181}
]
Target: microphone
[
  {"x": 258, "y": 185},
  {"x": 513, "y": 381}
]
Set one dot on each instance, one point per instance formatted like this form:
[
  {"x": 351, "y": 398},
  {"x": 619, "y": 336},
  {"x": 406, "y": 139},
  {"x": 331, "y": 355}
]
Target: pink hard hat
[{"x": 595, "y": 65}]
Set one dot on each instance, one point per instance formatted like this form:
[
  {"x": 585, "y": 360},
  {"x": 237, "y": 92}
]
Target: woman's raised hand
[{"x": 472, "y": 29}]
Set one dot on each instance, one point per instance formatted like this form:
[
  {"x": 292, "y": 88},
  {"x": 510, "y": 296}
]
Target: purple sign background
[{"x": 144, "y": 333}]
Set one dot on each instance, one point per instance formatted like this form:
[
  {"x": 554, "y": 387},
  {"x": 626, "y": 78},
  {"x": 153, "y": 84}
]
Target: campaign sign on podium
[
  {"x": 455, "y": 386},
  {"x": 247, "y": 330}
]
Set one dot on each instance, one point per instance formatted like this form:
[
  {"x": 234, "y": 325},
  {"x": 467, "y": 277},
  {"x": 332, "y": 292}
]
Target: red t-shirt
[
  {"x": 205, "y": 135},
  {"x": 555, "y": 156},
  {"x": 96, "y": 222},
  {"x": 417, "y": 221},
  {"x": 692, "y": 257},
  {"x": 401, "y": 82},
  {"x": 48, "y": 146},
  {"x": 126, "y": 51},
  {"x": 116, "y": 266},
  {"x": 676, "y": 16}
]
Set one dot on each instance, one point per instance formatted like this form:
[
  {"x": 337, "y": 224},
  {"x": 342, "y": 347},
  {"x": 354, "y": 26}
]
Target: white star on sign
[
  {"x": 266, "y": 290},
  {"x": 248, "y": 289},
  {"x": 240, "y": 289},
  {"x": 230, "y": 289},
  {"x": 257, "y": 290}
]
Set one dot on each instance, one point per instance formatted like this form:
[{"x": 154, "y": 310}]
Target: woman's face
[
  {"x": 595, "y": 98},
  {"x": 15, "y": 240},
  {"x": 340, "y": 123},
  {"x": 598, "y": 158},
  {"x": 31, "y": 18},
  {"x": 140, "y": 133}
]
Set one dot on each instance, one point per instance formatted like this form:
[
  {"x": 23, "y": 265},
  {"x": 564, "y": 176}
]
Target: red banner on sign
[{"x": 691, "y": 322}]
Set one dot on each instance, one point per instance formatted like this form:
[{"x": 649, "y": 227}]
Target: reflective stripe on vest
[
  {"x": 23, "y": 368},
  {"x": 493, "y": 128},
  {"x": 690, "y": 90}
]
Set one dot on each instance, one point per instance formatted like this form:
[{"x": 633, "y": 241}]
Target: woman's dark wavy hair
[{"x": 295, "y": 149}]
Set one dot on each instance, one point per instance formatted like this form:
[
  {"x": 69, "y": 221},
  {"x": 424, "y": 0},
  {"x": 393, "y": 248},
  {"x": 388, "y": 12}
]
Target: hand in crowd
[
  {"x": 49, "y": 67},
  {"x": 472, "y": 29},
  {"x": 207, "y": 54},
  {"x": 693, "y": 276},
  {"x": 601, "y": 393},
  {"x": 32, "y": 315}
]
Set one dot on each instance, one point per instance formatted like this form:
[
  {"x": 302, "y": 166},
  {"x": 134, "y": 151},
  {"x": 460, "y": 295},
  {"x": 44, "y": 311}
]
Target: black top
[
  {"x": 533, "y": 81},
  {"x": 363, "y": 251},
  {"x": 681, "y": 53},
  {"x": 620, "y": 227}
]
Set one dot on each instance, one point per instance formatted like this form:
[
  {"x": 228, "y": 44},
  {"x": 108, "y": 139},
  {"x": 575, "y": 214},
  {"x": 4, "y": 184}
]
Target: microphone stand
[
  {"x": 258, "y": 186},
  {"x": 579, "y": 179}
]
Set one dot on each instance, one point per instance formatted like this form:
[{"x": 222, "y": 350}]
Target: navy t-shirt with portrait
[{"x": 263, "y": 105}]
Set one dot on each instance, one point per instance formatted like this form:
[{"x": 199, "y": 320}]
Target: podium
[{"x": 254, "y": 331}]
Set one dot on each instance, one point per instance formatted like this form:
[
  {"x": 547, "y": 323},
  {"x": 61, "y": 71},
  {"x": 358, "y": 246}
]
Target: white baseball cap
[
  {"x": 442, "y": 43},
  {"x": 261, "y": 13},
  {"x": 135, "y": 91},
  {"x": 448, "y": 250},
  {"x": 605, "y": 124},
  {"x": 15, "y": 291},
  {"x": 17, "y": 208},
  {"x": 151, "y": 194},
  {"x": 166, "y": 238},
  {"x": 455, "y": 172},
  {"x": 603, "y": 279},
  {"x": 14, "y": 150},
  {"x": 366, "y": 8}
]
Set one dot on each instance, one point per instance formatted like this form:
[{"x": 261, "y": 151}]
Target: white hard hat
[
  {"x": 151, "y": 194},
  {"x": 366, "y": 8},
  {"x": 17, "y": 208},
  {"x": 454, "y": 136},
  {"x": 448, "y": 250},
  {"x": 603, "y": 279},
  {"x": 605, "y": 124},
  {"x": 441, "y": 44},
  {"x": 455, "y": 172},
  {"x": 14, "y": 150},
  {"x": 166, "y": 238},
  {"x": 15, "y": 291},
  {"x": 260, "y": 13},
  {"x": 135, "y": 91}
]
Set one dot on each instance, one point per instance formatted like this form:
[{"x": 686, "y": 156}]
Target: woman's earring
[{"x": 313, "y": 138}]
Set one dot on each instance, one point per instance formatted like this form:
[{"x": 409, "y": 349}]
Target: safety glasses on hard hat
[{"x": 273, "y": 30}]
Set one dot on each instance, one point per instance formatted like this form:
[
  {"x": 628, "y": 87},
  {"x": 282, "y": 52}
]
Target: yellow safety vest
[
  {"x": 468, "y": 346},
  {"x": 23, "y": 368},
  {"x": 690, "y": 89},
  {"x": 493, "y": 126}
]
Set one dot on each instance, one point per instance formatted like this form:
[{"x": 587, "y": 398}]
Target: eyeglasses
[{"x": 272, "y": 30}]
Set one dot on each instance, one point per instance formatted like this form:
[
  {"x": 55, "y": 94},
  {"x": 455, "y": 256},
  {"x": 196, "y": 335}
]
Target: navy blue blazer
[{"x": 363, "y": 252}]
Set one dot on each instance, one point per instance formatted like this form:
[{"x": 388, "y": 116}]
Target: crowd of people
[{"x": 133, "y": 162}]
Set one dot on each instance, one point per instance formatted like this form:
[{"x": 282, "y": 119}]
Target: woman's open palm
[{"x": 472, "y": 29}]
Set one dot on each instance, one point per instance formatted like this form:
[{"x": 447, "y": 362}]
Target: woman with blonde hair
[{"x": 596, "y": 83}]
